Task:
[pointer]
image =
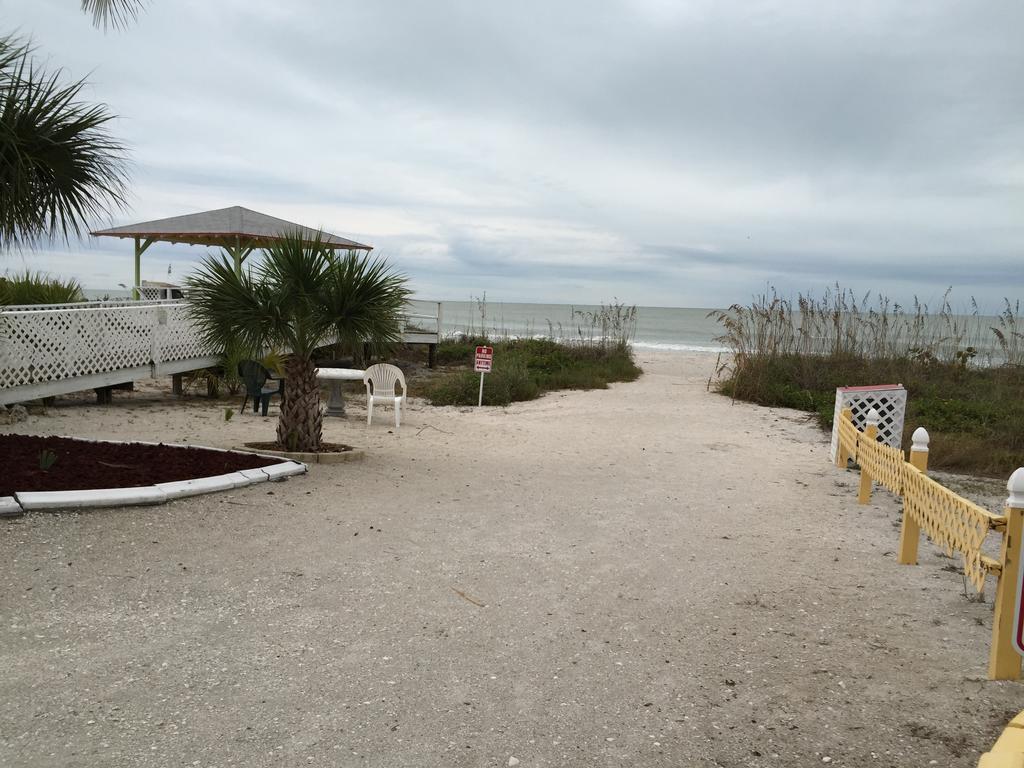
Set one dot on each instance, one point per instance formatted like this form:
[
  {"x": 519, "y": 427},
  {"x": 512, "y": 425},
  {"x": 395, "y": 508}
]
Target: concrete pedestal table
[{"x": 336, "y": 403}]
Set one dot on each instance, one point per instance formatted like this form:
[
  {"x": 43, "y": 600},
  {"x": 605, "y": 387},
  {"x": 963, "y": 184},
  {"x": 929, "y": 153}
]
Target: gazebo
[{"x": 237, "y": 230}]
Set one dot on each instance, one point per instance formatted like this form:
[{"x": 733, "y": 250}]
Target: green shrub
[
  {"x": 460, "y": 350},
  {"x": 38, "y": 288},
  {"x": 526, "y": 368},
  {"x": 501, "y": 387}
]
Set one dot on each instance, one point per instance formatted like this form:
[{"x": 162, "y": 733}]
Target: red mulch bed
[{"x": 83, "y": 464}]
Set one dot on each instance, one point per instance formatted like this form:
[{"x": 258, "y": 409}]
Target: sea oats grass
[{"x": 964, "y": 373}]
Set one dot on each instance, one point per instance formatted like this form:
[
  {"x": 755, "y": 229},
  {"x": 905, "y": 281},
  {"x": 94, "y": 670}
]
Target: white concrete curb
[
  {"x": 149, "y": 494},
  {"x": 255, "y": 475},
  {"x": 181, "y": 488},
  {"x": 284, "y": 469},
  {"x": 9, "y": 507},
  {"x": 98, "y": 497}
]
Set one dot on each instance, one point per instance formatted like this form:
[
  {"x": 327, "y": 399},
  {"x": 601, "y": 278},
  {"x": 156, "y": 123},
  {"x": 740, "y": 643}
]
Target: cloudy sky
[{"x": 665, "y": 153}]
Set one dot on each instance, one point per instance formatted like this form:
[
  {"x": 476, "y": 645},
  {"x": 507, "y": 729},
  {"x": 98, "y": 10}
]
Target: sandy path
[{"x": 668, "y": 579}]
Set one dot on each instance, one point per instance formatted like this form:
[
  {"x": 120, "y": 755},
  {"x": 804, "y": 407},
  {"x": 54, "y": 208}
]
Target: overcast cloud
[{"x": 665, "y": 153}]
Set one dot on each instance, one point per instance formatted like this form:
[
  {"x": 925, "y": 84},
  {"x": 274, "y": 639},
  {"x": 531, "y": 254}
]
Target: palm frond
[
  {"x": 59, "y": 167},
  {"x": 112, "y": 13},
  {"x": 12, "y": 51},
  {"x": 364, "y": 298},
  {"x": 231, "y": 310},
  {"x": 295, "y": 269}
]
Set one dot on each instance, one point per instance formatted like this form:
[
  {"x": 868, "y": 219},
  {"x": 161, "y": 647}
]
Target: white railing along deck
[
  {"x": 59, "y": 348},
  {"x": 55, "y": 349},
  {"x": 420, "y": 327}
]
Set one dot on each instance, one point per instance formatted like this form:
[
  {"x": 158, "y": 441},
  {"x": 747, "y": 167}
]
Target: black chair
[{"x": 256, "y": 379}]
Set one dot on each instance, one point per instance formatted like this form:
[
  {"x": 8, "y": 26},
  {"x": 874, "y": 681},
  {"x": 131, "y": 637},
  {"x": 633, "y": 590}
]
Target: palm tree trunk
[{"x": 301, "y": 423}]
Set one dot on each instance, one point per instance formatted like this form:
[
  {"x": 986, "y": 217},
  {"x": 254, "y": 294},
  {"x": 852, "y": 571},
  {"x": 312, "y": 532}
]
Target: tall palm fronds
[
  {"x": 299, "y": 297},
  {"x": 364, "y": 299},
  {"x": 59, "y": 167},
  {"x": 112, "y": 13}
]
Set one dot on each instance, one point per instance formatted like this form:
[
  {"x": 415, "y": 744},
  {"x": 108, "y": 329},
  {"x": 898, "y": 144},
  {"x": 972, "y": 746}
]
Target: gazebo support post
[
  {"x": 238, "y": 254},
  {"x": 140, "y": 248}
]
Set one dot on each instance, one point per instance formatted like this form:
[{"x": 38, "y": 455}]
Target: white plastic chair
[{"x": 380, "y": 380}]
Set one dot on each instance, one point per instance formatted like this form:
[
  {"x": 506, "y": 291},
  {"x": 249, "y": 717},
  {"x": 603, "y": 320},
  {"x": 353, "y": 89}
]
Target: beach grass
[
  {"x": 597, "y": 354},
  {"x": 524, "y": 369},
  {"x": 964, "y": 374}
]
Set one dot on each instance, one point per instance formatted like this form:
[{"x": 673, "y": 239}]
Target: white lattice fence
[
  {"x": 890, "y": 400},
  {"x": 61, "y": 348},
  {"x": 175, "y": 336}
]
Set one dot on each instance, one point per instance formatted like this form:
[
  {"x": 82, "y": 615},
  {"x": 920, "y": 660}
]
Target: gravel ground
[{"x": 648, "y": 575}]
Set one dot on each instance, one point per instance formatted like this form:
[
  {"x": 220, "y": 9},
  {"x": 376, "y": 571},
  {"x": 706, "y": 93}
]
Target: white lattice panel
[
  {"x": 175, "y": 336},
  {"x": 65, "y": 342},
  {"x": 890, "y": 400}
]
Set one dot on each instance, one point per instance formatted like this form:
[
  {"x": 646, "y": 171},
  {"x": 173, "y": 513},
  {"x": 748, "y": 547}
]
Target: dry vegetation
[{"x": 964, "y": 373}]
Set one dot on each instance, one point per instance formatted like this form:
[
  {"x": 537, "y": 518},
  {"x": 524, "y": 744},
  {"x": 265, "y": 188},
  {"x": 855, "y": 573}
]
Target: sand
[{"x": 647, "y": 575}]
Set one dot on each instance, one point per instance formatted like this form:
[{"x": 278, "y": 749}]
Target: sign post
[{"x": 482, "y": 364}]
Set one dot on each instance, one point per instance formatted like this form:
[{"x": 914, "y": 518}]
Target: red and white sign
[{"x": 484, "y": 358}]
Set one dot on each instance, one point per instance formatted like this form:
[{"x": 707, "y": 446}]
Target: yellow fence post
[
  {"x": 1004, "y": 661},
  {"x": 910, "y": 531},
  {"x": 841, "y": 456},
  {"x": 870, "y": 435}
]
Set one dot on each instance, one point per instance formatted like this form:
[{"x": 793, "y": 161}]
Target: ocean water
[{"x": 668, "y": 328}]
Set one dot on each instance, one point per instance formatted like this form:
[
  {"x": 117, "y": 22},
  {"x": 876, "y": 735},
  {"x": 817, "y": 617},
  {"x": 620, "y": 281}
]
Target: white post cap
[
  {"x": 919, "y": 440},
  {"x": 873, "y": 417},
  {"x": 1015, "y": 485}
]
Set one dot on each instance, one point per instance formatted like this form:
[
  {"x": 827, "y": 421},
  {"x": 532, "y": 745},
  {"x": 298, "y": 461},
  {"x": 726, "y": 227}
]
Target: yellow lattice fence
[
  {"x": 954, "y": 523},
  {"x": 848, "y": 437},
  {"x": 884, "y": 464}
]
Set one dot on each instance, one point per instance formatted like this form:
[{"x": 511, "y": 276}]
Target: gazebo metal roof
[
  {"x": 236, "y": 229},
  {"x": 227, "y": 227}
]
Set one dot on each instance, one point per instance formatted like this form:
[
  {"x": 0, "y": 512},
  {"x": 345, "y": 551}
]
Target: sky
[{"x": 662, "y": 153}]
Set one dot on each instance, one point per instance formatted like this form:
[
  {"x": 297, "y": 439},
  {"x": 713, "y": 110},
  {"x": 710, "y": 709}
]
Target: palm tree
[
  {"x": 58, "y": 165},
  {"x": 301, "y": 296}
]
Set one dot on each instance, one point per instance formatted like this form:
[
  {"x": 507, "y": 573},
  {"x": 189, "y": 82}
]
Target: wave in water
[{"x": 667, "y": 347}]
